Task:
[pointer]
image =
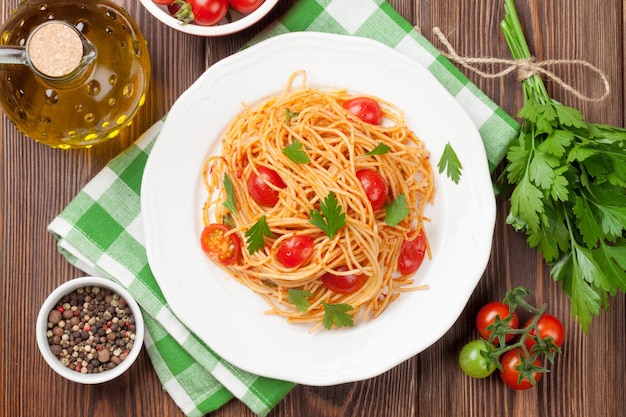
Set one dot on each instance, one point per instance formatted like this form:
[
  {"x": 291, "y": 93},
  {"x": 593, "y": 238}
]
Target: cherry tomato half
[
  {"x": 217, "y": 245},
  {"x": 549, "y": 326},
  {"x": 343, "y": 284},
  {"x": 246, "y": 6},
  {"x": 375, "y": 187},
  {"x": 365, "y": 109},
  {"x": 259, "y": 188},
  {"x": 510, "y": 373},
  {"x": 412, "y": 254},
  {"x": 487, "y": 315},
  {"x": 294, "y": 251}
]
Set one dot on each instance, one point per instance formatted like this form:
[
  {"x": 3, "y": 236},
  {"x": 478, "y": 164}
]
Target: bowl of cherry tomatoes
[{"x": 209, "y": 17}]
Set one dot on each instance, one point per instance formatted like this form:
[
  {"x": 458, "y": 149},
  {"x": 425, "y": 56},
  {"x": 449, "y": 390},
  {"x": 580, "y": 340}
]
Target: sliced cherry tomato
[
  {"x": 487, "y": 315},
  {"x": 202, "y": 12},
  {"x": 343, "y": 284},
  {"x": 375, "y": 187},
  {"x": 294, "y": 251},
  {"x": 510, "y": 373},
  {"x": 412, "y": 254},
  {"x": 217, "y": 245},
  {"x": 246, "y": 6},
  {"x": 549, "y": 326},
  {"x": 259, "y": 188},
  {"x": 365, "y": 109},
  {"x": 473, "y": 363}
]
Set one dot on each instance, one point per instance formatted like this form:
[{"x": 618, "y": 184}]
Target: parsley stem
[{"x": 532, "y": 86}]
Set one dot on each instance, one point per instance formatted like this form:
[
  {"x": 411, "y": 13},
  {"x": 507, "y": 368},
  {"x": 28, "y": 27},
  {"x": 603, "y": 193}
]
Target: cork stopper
[{"x": 55, "y": 49}]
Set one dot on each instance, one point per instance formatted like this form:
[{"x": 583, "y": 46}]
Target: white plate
[{"x": 230, "y": 318}]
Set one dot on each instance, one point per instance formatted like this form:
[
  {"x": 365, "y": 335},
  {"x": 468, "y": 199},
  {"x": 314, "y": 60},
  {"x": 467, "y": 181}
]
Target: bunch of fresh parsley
[{"x": 569, "y": 190}]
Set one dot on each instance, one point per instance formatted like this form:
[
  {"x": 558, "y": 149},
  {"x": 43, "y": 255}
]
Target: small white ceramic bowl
[
  {"x": 238, "y": 21},
  {"x": 42, "y": 327}
]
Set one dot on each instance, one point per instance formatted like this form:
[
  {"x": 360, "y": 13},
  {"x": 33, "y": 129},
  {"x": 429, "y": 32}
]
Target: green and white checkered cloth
[{"x": 101, "y": 230}]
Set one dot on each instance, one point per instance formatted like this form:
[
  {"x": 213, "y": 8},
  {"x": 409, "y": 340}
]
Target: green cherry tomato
[{"x": 472, "y": 362}]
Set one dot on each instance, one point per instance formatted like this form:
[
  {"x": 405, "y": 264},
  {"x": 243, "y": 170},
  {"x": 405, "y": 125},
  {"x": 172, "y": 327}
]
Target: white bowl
[
  {"x": 239, "y": 22},
  {"x": 42, "y": 327}
]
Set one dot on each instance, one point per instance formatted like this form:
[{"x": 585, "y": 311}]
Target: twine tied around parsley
[{"x": 525, "y": 68}]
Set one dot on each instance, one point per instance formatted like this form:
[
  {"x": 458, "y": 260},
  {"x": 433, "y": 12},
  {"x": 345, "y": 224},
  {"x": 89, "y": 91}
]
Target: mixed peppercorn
[{"x": 91, "y": 330}]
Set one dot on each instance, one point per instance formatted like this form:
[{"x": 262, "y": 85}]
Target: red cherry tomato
[
  {"x": 375, "y": 187},
  {"x": 487, "y": 315},
  {"x": 245, "y": 6},
  {"x": 217, "y": 245},
  {"x": 259, "y": 188},
  {"x": 549, "y": 326},
  {"x": 365, "y": 109},
  {"x": 173, "y": 7},
  {"x": 343, "y": 284},
  {"x": 510, "y": 373},
  {"x": 412, "y": 254},
  {"x": 202, "y": 12},
  {"x": 294, "y": 251}
]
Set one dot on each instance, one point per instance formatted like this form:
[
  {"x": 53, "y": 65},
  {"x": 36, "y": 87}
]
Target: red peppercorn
[
  {"x": 86, "y": 327},
  {"x": 60, "y": 309}
]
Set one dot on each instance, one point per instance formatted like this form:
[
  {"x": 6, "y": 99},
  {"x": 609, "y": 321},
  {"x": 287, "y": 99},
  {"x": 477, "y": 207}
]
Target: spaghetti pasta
[{"x": 337, "y": 145}]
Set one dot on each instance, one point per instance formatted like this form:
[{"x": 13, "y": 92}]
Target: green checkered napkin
[{"x": 101, "y": 230}]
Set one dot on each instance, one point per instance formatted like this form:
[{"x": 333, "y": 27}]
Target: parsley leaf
[
  {"x": 332, "y": 219},
  {"x": 380, "y": 149},
  {"x": 230, "y": 200},
  {"x": 526, "y": 205},
  {"x": 256, "y": 235},
  {"x": 296, "y": 153},
  {"x": 337, "y": 314},
  {"x": 299, "y": 298},
  {"x": 396, "y": 211},
  {"x": 290, "y": 115},
  {"x": 450, "y": 163}
]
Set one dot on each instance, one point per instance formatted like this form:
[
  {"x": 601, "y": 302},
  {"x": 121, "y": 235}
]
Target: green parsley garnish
[
  {"x": 450, "y": 163},
  {"x": 290, "y": 115},
  {"x": 256, "y": 235},
  {"x": 569, "y": 195},
  {"x": 299, "y": 298},
  {"x": 337, "y": 314},
  {"x": 296, "y": 153},
  {"x": 396, "y": 211},
  {"x": 380, "y": 149},
  {"x": 230, "y": 200},
  {"x": 332, "y": 219}
]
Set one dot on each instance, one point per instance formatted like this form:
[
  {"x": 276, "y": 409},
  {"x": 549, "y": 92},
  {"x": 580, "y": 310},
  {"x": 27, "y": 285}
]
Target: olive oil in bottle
[{"x": 72, "y": 73}]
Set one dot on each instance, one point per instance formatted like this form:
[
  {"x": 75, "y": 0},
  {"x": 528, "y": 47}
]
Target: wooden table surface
[{"x": 588, "y": 379}]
